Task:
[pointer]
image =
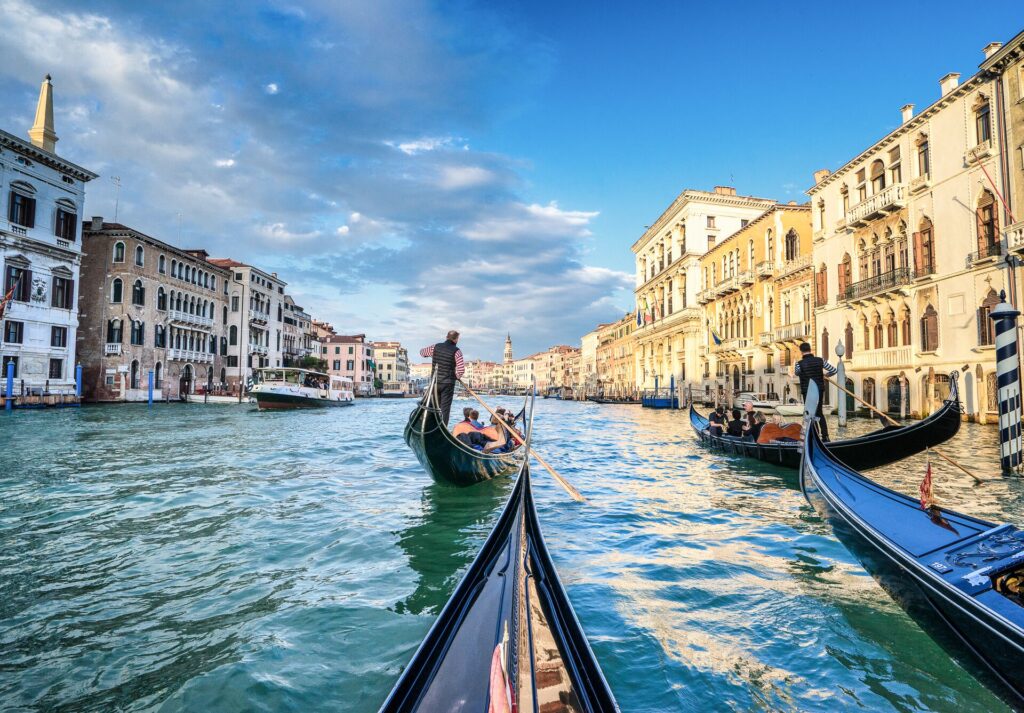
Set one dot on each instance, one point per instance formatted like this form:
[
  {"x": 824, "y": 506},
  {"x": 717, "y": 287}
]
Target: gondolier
[
  {"x": 813, "y": 368},
  {"x": 447, "y": 364}
]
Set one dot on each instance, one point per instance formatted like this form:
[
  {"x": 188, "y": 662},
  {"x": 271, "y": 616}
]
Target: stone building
[
  {"x": 350, "y": 355},
  {"x": 147, "y": 306},
  {"x": 256, "y": 326},
  {"x": 760, "y": 308},
  {"x": 40, "y": 256},
  {"x": 297, "y": 334},
  {"x": 668, "y": 278},
  {"x": 615, "y": 361},
  {"x": 908, "y": 255},
  {"x": 391, "y": 362},
  {"x": 479, "y": 374}
]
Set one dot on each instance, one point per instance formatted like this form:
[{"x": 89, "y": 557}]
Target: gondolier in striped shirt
[
  {"x": 813, "y": 368},
  {"x": 448, "y": 366}
]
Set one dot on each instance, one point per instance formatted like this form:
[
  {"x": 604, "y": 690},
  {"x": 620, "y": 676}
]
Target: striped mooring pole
[{"x": 1008, "y": 377}]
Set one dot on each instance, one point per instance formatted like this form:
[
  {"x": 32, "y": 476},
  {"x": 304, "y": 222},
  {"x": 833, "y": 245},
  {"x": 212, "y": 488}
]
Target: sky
[{"x": 412, "y": 167}]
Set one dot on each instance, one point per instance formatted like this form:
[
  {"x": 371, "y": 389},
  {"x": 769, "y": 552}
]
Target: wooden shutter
[
  {"x": 10, "y": 206},
  {"x": 30, "y": 213},
  {"x": 69, "y": 294},
  {"x": 918, "y": 257},
  {"x": 25, "y": 288},
  {"x": 980, "y": 222}
]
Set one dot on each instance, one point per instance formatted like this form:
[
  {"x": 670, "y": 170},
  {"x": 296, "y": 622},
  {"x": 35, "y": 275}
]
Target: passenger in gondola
[
  {"x": 716, "y": 421},
  {"x": 466, "y": 425},
  {"x": 475, "y": 417},
  {"x": 735, "y": 427},
  {"x": 476, "y": 440}
]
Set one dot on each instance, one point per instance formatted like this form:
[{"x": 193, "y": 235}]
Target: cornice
[
  {"x": 126, "y": 232},
  {"x": 694, "y": 195},
  {"x": 905, "y": 128},
  {"x": 1005, "y": 55},
  {"x": 45, "y": 157}
]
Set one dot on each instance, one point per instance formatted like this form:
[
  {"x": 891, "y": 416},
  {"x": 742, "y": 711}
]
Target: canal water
[{"x": 215, "y": 558}]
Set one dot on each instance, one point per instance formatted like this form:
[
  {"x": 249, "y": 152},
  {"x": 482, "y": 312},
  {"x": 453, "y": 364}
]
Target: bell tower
[{"x": 508, "y": 348}]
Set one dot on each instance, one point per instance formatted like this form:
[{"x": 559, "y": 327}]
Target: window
[
  {"x": 895, "y": 172},
  {"x": 138, "y": 293},
  {"x": 744, "y": 222},
  {"x": 159, "y": 336},
  {"x": 983, "y": 123},
  {"x": 161, "y": 299},
  {"x": 924, "y": 168},
  {"x": 223, "y": 346},
  {"x": 161, "y": 265},
  {"x": 233, "y": 335},
  {"x": 118, "y": 252},
  {"x": 58, "y": 337},
  {"x": 158, "y": 376},
  {"x": 905, "y": 327},
  {"x": 350, "y": 352},
  {"x": 711, "y": 221},
  {"x": 18, "y": 282},
  {"x": 14, "y": 332},
  {"x": 924, "y": 249},
  {"x": 279, "y": 313},
  {"x": 848, "y": 340},
  {"x": 133, "y": 382},
  {"x": 56, "y": 369},
  {"x": 337, "y": 365},
  {"x": 986, "y": 329},
  {"x": 140, "y": 256},
  {"x": 234, "y": 303},
  {"x": 877, "y": 177},
  {"x": 114, "y": 331},
  {"x": 988, "y": 226},
  {"x": 350, "y": 365},
  {"x": 22, "y": 208},
  {"x": 821, "y": 286},
  {"x": 138, "y": 333},
  {"x": 65, "y": 225},
  {"x": 711, "y": 241},
  {"x": 62, "y": 294},
  {"x": 930, "y": 330},
  {"x": 792, "y": 245},
  {"x": 10, "y": 360}
]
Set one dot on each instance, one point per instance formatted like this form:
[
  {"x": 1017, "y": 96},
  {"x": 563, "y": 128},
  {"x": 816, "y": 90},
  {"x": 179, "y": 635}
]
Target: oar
[
  {"x": 893, "y": 421},
  {"x": 561, "y": 481}
]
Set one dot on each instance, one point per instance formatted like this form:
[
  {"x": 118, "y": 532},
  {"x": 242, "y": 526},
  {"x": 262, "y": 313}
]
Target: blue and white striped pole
[
  {"x": 1008, "y": 378},
  {"x": 9, "y": 391}
]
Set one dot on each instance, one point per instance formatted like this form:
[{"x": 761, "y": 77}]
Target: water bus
[{"x": 288, "y": 388}]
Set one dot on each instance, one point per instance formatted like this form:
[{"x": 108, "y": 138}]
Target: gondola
[
  {"x": 871, "y": 450},
  {"x": 508, "y": 639},
  {"x": 969, "y": 570},
  {"x": 446, "y": 458}
]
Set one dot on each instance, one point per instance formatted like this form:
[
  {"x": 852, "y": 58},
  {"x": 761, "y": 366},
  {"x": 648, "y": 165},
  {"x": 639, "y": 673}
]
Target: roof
[
  {"x": 119, "y": 228},
  {"x": 346, "y": 338},
  {"x": 45, "y": 157},
  {"x": 226, "y": 262},
  {"x": 695, "y": 194}
]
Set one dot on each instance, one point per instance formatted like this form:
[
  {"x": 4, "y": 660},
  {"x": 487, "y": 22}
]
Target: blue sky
[{"x": 410, "y": 166}]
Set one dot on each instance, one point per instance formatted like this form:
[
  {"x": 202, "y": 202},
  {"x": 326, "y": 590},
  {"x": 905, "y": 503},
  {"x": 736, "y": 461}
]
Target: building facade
[
  {"x": 256, "y": 325},
  {"x": 351, "y": 356},
  {"x": 908, "y": 255},
  {"x": 615, "y": 360},
  {"x": 148, "y": 307},
  {"x": 391, "y": 361},
  {"x": 760, "y": 308},
  {"x": 479, "y": 374},
  {"x": 40, "y": 257},
  {"x": 297, "y": 334},
  {"x": 668, "y": 278}
]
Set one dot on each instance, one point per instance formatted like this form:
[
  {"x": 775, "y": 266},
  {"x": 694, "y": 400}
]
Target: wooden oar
[
  {"x": 893, "y": 421},
  {"x": 561, "y": 481}
]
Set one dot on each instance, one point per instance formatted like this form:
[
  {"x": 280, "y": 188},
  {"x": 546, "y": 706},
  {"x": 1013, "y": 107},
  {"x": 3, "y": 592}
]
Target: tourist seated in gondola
[
  {"x": 716, "y": 421},
  {"x": 735, "y": 427},
  {"x": 477, "y": 440},
  {"x": 466, "y": 425},
  {"x": 752, "y": 428},
  {"x": 474, "y": 416}
]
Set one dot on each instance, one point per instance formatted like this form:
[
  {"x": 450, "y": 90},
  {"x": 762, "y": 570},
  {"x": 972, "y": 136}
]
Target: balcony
[
  {"x": 1016, "y": 236},
  {"x": 979, "y": 153},
  {"x": 261, "y": 317},
  {"x": 818, "y": 235},
  {"x": 112, "y": 350},
  {"x": 888, "y": 358},
  {"x": 746, "y": 277},
  {"x": 765, "y": 268},
  {"x": 188, "y": 318},
  {"x": 764, "y": 339},
  {"x": 190, "y": 355},
  {"x": 840, "y": 225},
  {"x": 795, "y": 332},
  {"x": 888, "y": 200},
  {"x": 257, "y": 348},
  {"x": 727, "y": 286},
  {"x": 705, "y": 296},
  {"x": 878, "y": 285},
  {"x": 990, "y": 253},
  {"x": 919, "y": 184},
  {"x": 794, "y": 265},
  {"x": 731, "y": 345}
]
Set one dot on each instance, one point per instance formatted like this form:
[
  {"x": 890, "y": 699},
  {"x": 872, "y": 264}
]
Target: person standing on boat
[
  {"x": 448, "y": 367},
  {"x": 813, "y": 368}
]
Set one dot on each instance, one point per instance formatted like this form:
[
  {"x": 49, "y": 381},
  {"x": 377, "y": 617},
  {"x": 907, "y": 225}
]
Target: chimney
[
  {"x": 97, "y": 223},
  {"x": 42, "y": 134},
  {"x": 949, "y": 82},
  {"x": 907, "y": 110},
  {"x": 820, "y": 175},
  {"x": 991, "y": 48},
  {"x": 725, "y": 190}
]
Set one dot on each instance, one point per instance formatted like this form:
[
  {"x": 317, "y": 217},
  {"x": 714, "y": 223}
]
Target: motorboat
[{"x": 284, "y": 388}]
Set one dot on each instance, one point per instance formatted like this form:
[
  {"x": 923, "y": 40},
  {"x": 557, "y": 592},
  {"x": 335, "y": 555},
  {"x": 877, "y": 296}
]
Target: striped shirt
[{"x": 460, "y": 365}]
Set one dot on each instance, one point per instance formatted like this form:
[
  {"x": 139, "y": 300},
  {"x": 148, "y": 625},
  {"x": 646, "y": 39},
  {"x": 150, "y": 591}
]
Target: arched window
[
  {"x": 225, "y": 314},
  {"x": 138, "y": 293},
  {"x": 158, "y": 376},
  {"x": 114, "y": 335},
  {"x": 929, "y": 330},
  {"x": 223, "y": 376},
  {"x": 924, "y": 249},
  {"x": 140, "y": 256},
  {"x": 116, "y": 290},
  {"x": 988, "y": 226},
  {"x": 161, "y": 264},
  {"x": 769, "y": 241},
  {"x": 986, "y": 329},
  {"x": 213, "y": 344},
  {"x": 905, "y": 327},
  {"x": 223, "y": 347},
  {"x": 159, "y": 336},
  {"x": 983, "y": 122},
  {"x": 845, "y": 276},
  {"x": 161, "y": 299},
  {"x": 134, "y": 383},
  {"x": 233, "y": 335},
  {"x": 892, "y": 336},
  {"x": 848, "y": 340},
  {"x": 138, "y": 333},
  {"x": 821, "y": 286},
  {"x": 177, "y": 303},
  {"x": 877, "y": 176},
  {"x": 174, "y": 268},
  {"x": 867, "y": 334},
  {"x": 118, "y": 252},
  {"x": 213, "y": 282},
  {"x": 792, "y": 245},
  {"x": 878, "y": 332}
]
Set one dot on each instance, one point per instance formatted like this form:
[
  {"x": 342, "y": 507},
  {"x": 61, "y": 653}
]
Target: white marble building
[{"x": 40, "y": 255}]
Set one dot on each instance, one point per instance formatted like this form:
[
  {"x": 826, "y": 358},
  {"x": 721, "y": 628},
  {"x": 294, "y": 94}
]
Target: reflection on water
[{"x": 191, "y": 558}]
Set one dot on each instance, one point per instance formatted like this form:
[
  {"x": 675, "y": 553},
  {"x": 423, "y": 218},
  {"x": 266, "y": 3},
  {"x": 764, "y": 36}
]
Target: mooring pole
[
  {"x": 150, "y": 387},
  {"x": 1008, "y": 378},
  {"x": 671, "y": 391},
  {"x": 9, "y": 391},
  {"x": 841, "y": 380}
]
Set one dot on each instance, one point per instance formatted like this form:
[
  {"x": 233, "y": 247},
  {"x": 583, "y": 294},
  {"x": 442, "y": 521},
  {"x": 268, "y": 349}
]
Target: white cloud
[
  {"x": 343, "y": 230},
  {"x": 523, "y": 221},
  {"x": 279, "y": 232},
  {"x": 427, "y": 143},
  {"x": 224, "y": 162},
  {"x": 271, "y": 88},
  {"x": 455, "y": 178}
]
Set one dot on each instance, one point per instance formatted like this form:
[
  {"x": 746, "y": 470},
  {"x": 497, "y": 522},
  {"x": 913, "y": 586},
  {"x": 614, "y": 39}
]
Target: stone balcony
[
  {"x": 731, "y": 345},
  {"x": 988, "y": 254},
  {"x": 112, "y": 349},
  {"x": 1015, "y": 236},
  {"x": 888, "y": 200},
  {"x": 795, "y": 265},
  {"x": 877, "y": 286},
  {"x": 765, "y": 268},
  {"x": 256, "y": 316},
  {"x": 794, "y": 332},
  {"x": 190, "y": 355},
  {"x": 819, "y": 235},
  {"x": 765, "y": 339},
  {"x": 705, "y": 296},
  {"x": 746, "y": 277},
  {"x": 258, "y": 348},
  {"x": 188, "y": 318},
  {"x": 887, "y": 358},
  {"x": 727, "y": 286},
  {"x": 979, "y": 153}
]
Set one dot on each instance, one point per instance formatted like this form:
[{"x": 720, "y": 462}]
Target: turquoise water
[{"x": 218, "y": 559}]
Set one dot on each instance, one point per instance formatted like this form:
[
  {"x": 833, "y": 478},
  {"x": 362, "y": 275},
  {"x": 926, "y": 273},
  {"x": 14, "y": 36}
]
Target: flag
[
  {"x": 926, "y": 488},
  {"x": 639, "y": 317},
  {"x": 8, "y": 297},
  {"x": 714, "y": 336}
]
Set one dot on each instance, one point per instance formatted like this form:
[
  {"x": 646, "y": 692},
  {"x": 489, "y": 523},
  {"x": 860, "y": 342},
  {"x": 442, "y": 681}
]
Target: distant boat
[
  {"x": 287, "y": 388},
  {"x": 760, "y": 401},
  {"x": 792, "y": 410},
  {"x": 394, "y": 390}
]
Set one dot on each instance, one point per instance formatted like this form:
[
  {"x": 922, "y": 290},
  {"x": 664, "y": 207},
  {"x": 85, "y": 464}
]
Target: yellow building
[
  {"x": 616, "y": 366},
  {"x": 757, "y": 305}
]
